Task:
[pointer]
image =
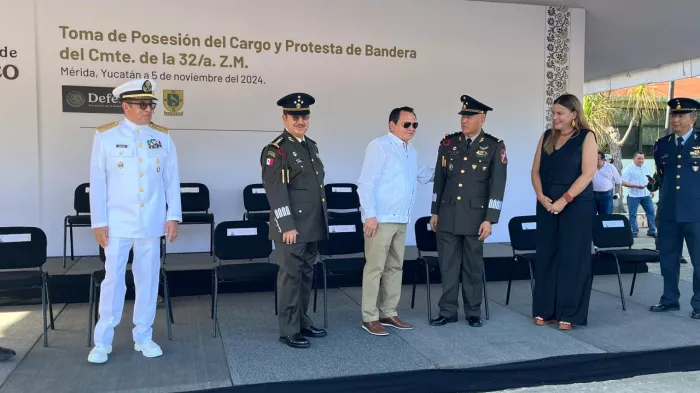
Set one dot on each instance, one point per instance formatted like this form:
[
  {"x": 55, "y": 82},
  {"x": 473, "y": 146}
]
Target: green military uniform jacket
[
  {"x": 293, "y": 181},
  {"x": 469, "y": 182}
]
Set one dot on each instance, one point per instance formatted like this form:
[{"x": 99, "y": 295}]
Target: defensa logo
[
  {"x": 90, "y": 99},
  {"x": 173, "y": 101}
]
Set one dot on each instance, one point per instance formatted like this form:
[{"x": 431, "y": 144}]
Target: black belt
[{"x": 603, "y": 192}]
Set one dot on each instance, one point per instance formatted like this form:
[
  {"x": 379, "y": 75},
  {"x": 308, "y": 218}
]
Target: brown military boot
[{"x": 375, "y": 328}]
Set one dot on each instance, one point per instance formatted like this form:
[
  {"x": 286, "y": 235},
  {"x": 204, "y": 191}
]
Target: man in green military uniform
[
  {"x": 470, "y": 181},
  {"x": 292, "y": 174}
]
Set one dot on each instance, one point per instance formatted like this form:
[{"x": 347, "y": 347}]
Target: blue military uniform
[{"x": 677, "y": 160}]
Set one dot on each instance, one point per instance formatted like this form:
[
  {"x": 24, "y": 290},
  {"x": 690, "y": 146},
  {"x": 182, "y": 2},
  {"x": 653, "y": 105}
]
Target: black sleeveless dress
[{"x": 563, "y": 265}]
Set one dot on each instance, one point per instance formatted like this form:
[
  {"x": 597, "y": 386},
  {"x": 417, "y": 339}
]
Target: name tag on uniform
[{"x": 122, "y": 146}]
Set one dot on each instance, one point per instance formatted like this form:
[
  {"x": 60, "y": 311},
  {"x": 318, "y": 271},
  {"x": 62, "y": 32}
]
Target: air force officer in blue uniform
[
  {"x": 677, "y": 158},
  {"x": 133, "y": 176}
]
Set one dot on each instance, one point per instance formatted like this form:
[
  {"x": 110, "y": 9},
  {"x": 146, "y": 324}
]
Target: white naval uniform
[{"x": 133, "y": 175}]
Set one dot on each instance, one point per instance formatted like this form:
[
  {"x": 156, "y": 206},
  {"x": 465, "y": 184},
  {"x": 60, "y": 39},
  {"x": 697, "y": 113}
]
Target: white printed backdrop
[{"x": 494, "y": 52}]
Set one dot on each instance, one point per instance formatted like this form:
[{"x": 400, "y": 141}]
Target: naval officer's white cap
[{"x": 137, "y": 89}]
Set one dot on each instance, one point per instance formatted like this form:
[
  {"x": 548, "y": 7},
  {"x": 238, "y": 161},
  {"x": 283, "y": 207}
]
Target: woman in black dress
[{"x": 562, "y": 175}]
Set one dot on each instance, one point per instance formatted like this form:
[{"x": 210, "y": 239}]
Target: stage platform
[{"x": 508, "y": 351}]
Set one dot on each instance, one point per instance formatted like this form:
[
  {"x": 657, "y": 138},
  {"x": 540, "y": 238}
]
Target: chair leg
[
  {"x": 90, "y": 306},
  {"x": 486, "y": 296},
  {"x": 413, "y": 291},
  {"x": 427, "y": 291},
  {"x": 48, "y": 300},
  {"x": 97, "y": 303},
  {"x": 65, "y": 235},
  {"x": 532, "y": 280},
  {"x": 325, "y": 297},
  {"x": 168, "y": 309},
  {"x": 43, "y": 309},
  {"x": 619, "y": 281},
  {"x": 510, "y": 279},
  {"x": 213, "y": 289},
  {"x": 211, "y": 240},
  {"x": 634, "y": 278},
  {"x": 216, "y": 301},
  {"x": 72, "y": 254}
]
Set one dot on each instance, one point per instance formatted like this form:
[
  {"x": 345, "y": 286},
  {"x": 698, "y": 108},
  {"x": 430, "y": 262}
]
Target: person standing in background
[
  {"x": 636, "y": 177},
  {"x": 606, "y": 181},
  {"x": 387, "y": 191}
]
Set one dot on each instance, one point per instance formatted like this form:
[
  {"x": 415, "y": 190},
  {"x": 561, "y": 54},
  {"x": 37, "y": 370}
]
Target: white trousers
[{"x": 146, "y": 270}]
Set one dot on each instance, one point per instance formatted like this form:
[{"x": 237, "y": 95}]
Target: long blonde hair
[{"x": 572, "y": 103}]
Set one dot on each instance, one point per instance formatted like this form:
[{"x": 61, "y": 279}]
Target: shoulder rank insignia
[
  {"x": 493, "y": 137},
  {"x": 159, "y": 128},
  {"x": 106, "y": 127},
  {"x": 277, "y": 142}
]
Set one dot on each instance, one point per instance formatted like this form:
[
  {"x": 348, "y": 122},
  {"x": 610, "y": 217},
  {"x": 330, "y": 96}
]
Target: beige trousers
[{"x": 381, "y": 279}]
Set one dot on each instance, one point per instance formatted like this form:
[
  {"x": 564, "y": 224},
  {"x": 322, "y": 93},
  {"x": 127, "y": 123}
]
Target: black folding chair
[
  {"x": 241, "y": 240},
  {"x": 98, "y": 276},
  {"x": 342, "y": 200},
  {"x": 81, "y": 218},
  {"x": 255, "y": 203},
  {"x": 345, "y": 238},
  {"x": 612, "y": 236},
  {"x": 522, "y": 231},
  {"x": 25, "y": 248},
  {"x": 426, "y": 241},
  {"x": 195, "y": 208}
]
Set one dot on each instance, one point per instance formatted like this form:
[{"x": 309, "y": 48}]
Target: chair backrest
[
  {"x": 22, "y": 247},
  {"x": 522, "y": 231},
  {"x": 426, "y": 239},
  {"x": 345, "y": 236},
  {"x": 234, "y": 240},
  {"x": 81, "y": 199},
  {"x": 342, "y": 196},
  {"x": 103, "y": 257},
  {"x": 194, "y": 197},
  {"x": 612, "y": 231},
  {"x": 255, "y": 199}
]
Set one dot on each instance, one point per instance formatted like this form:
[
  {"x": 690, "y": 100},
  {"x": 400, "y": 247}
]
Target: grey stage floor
[{"x": 247, "y": 351}]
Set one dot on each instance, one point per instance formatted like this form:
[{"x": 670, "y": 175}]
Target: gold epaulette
[
  {"x": 106, "y": 127},
  {"x": 159, "y": 128}
]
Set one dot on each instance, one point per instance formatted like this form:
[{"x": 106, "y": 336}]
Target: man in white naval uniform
[{"x": 133, "y": 176}]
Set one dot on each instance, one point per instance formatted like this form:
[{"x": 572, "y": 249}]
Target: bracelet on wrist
[{"x": 568, "y": 197}]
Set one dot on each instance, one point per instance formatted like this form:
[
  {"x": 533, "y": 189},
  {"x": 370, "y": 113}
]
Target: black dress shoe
[
  {"x": 662, "y": 307},
  {"x": 6, "y": 353},
  {"x": 695, "y": 315},
  {"x": 440, "y": 320},
  {"x": 295, "y": 341},
  {"x": 474, "y": 321},
  {"x": 313, "y": 332}
]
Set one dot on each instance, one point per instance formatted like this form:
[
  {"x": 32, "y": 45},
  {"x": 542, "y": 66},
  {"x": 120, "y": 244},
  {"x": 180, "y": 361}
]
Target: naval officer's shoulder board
[
  {"x": 156, "y": 127},
  {"x": 108, "y": 126}
]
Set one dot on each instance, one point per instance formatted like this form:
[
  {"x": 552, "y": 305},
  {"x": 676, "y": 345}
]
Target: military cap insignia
[{"x": 147, "y": 87}]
